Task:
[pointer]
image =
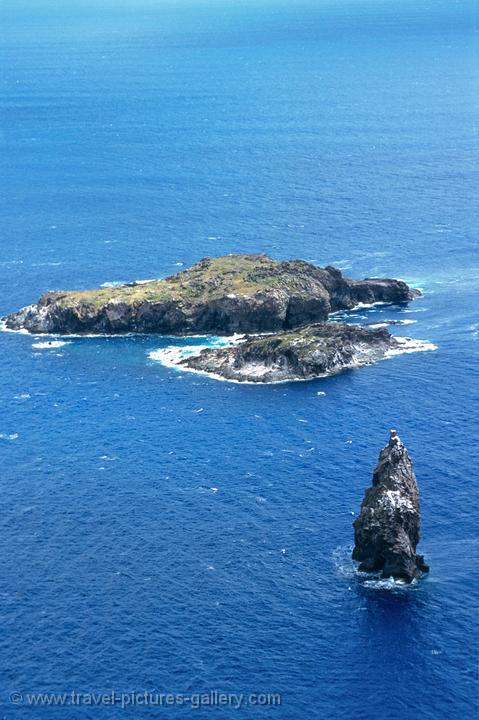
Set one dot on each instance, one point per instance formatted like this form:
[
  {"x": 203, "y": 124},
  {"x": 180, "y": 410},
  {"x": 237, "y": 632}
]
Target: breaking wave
[
  {"x": 50, "y": 344},
  {"x": 172, "y": 355},
  {"x": 408, "y": 345}
]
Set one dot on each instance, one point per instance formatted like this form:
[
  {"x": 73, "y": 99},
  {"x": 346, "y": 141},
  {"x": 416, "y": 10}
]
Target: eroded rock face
[
  {"x": 225, "y": 295},
  {"x": 308, "y": 352},
  {"x": 386, "y": 532}
]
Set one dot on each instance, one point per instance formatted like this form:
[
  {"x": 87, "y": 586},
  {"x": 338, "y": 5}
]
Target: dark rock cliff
[
  {"x": 225, "y": 295},
  {"x": 386, "y": 532}
]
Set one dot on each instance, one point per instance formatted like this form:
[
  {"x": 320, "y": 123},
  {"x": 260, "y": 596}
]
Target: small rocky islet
[
  {"x": 285, "y": 303},
  {"x": 311, "y": 351},
  {"x": 386, "y": 532}
]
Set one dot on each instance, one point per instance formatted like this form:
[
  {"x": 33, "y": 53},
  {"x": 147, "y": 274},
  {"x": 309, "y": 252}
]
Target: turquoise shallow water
[{"x": 164, "y": 531}]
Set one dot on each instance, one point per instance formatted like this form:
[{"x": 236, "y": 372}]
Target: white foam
[
  {"x": 5, "y": 436},
  {"x": 172, "y": 355},
  {"x": 347, "y": 568},
  {"x": 50, "y": 345},
  {"x": 4, "y": 328},
  {"x": 387, "y": 584},
  {"x": 386, "y": 323},
  {"x": 408, "y": 345},
  {"x": 362, "y": 305}
]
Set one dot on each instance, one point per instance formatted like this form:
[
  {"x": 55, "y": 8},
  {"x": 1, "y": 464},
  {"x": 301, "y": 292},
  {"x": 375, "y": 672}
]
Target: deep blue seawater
[{"x": 165, "y": 531}]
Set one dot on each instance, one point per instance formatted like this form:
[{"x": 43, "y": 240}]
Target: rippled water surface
[{"x": 163, "y": 531}]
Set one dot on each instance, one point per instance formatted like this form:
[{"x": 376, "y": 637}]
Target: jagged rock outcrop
[
  {"x": 386, "y": 532},
  {"x": 225, "y": 295},
  {"x": 309, "y": 352}
]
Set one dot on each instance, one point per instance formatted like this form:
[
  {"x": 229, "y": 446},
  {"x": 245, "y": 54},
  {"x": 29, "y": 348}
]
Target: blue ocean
[{"x": 164, "y": 532}]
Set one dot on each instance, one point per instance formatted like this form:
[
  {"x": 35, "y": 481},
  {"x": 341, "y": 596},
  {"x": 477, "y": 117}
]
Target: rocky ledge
[
  {"x": 386, "y": 532},
  {"x": 223, "y": 296},
  {"x": 308, "y": 352}
]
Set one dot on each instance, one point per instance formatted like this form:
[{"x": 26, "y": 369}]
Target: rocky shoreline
[
  {"x": 310, "y": 352},
  {"x": 222, "y": 296}
]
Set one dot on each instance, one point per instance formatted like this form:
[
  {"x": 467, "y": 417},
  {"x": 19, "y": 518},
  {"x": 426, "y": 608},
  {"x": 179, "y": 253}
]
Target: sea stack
[{"x": 386, "y": 532}]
